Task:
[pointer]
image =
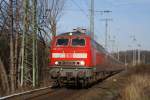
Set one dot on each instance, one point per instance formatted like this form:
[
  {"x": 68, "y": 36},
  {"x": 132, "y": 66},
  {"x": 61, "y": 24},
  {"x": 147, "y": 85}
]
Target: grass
[
  {"x": 137, "y": 85},
  {"x": 136, "y": 88}
]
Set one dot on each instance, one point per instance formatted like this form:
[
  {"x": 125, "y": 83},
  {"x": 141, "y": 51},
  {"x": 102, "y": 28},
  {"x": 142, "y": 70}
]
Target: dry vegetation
[
  {"x": 137, "y": 84},
  {"x": 132, "y": 84}
]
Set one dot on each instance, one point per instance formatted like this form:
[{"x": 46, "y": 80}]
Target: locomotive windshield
[
  {"x": 62, "y": 42},
  {"x": 78, "y": 42}
]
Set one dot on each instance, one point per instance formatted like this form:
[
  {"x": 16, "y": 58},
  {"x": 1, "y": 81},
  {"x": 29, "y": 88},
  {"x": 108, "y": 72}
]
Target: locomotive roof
[{"x": 76, "y": 33}]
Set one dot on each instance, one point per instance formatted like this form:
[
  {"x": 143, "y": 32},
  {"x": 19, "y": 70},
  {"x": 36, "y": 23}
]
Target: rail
[{"x": 23, "y": 93}]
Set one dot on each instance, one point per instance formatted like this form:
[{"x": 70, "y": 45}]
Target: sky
[{"x": 130, "y": 18}]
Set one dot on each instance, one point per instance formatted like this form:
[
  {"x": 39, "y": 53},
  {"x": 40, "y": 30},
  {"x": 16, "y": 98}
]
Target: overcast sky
[{"x": 129, "y": 18}]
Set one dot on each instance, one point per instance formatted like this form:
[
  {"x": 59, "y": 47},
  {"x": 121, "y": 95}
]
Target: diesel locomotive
[{"x": 77, "y": 59}]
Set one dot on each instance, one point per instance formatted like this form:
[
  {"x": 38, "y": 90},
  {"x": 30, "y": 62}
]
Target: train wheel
[
  {"x": 76, "y": 82},
  {"x": 84, "y": 83},
  {"x": 57, "y": 84},
  {"x": 54, "y": 84}
]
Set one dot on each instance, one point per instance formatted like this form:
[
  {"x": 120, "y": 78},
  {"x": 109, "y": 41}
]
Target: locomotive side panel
[
  {"x": 104, "y": 61},
  {"x": 98, "y": 56}
]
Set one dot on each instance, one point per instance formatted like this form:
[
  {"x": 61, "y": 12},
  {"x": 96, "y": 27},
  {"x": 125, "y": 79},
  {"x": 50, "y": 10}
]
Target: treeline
[
  {"x": 127, "y": 56},
  {"x": 16, "y": 17},
  {"x": 5, "y": 69}
]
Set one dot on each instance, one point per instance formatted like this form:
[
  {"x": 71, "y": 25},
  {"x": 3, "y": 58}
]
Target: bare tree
[
  {"x": 9, "y": 26},
  {"x": 3, "y": 15},
  {"x": 12, "y": 69},
  {"x": 52, "y": 11},
  {"x": 17, "y": 47},
  {"x": 4, "y": 46},
  {"x": 55, "y": 11},
  {"x": 49, "y": 12},
  {"x": 4, "y": 77}
]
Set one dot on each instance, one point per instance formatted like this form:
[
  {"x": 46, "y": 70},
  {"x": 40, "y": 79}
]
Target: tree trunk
[
  {"x": 12, "y": 69},
  {"x": 16, "y": 43},
  {"x": 4, "y": 78},
  {"x": 53, "y": 29}
]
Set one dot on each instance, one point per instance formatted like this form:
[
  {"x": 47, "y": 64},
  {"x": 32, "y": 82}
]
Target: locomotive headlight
[
  {"x": 56, "y": 62},
  {"x": 82, "y": 63}
]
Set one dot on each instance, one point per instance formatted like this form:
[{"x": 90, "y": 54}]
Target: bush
[{"x": 137, "y": 85}]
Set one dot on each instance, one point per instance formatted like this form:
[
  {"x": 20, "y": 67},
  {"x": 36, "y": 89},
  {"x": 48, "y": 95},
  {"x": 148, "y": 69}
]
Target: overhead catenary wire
[{"x": 80, "y": 9}]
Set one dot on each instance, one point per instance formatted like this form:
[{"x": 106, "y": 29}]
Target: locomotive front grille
[{"x": 68, "y": 63}]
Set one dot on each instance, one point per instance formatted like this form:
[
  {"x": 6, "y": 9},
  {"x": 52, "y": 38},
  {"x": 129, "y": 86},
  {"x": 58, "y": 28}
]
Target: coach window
[
  {"x": 78, "y": 42},
  {"x": 62, "y": 42}
]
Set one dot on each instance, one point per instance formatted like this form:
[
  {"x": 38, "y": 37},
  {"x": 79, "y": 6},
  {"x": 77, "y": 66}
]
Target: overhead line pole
[
  {"x": 29, "y": 64},
  {"x": 134, "y": 49},
  {"x": 25, "y": 28},
  {"x": 106, "y": 31},
  {"x": 139, "y": 54},
  {"x": 92, "y": 18},
  {"x": 106, "y": 26}
]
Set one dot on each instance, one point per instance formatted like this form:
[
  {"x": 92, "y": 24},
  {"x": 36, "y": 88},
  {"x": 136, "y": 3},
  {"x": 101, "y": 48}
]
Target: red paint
[{"x": 90, "y": 61}]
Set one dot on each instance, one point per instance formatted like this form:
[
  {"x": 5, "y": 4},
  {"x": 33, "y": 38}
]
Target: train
[{"x": 77, "y": 59}]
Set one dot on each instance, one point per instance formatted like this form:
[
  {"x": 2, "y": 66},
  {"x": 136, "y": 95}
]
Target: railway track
[
  {"x": 29, "y": 94},
  {"x": 44, "y": 94},
  {"x": 50, "y": 93}
]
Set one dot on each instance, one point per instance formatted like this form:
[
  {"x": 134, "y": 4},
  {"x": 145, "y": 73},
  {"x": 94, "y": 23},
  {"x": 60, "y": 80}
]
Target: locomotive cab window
[
  {"x": 62, "y": 42},
  {"x": 78, "y": 42}
]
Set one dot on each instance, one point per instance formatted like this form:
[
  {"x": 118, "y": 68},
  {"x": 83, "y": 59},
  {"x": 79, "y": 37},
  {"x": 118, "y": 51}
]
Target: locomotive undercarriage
[
  {"x": 76, "y": 76},
  {"x": 70, "y": 75}
]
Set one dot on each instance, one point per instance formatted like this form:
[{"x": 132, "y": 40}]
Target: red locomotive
[{"x": 75, "y": 58}]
